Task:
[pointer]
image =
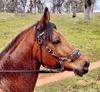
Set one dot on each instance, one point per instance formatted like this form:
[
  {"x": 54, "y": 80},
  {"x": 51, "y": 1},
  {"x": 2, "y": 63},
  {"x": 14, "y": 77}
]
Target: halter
[{"x": 74, "y": 54}]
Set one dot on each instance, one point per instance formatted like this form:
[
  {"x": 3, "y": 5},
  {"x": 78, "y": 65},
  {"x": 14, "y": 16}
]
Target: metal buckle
[
  {"x": 61, "y": 60},
  {"x": 76, "y": 56},
  {"x": 40, "y": 41},
  {"x": 60, "y": 67},
  {"x": 39, "y": 37}
]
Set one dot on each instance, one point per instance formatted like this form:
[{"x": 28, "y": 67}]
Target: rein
[
  {"x": 58, "y": 69},
  {"x": 27, "y": 71}
]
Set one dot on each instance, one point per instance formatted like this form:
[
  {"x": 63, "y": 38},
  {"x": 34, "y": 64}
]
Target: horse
[{"x": 40, "y": 44}]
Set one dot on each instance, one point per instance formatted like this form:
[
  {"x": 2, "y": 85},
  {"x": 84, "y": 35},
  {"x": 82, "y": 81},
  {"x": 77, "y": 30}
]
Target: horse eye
[{"x": 56, "y": 41}]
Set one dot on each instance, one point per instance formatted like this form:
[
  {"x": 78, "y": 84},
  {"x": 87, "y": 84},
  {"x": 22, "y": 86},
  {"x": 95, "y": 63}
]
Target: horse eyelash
[{"x": 56, "y": 41}]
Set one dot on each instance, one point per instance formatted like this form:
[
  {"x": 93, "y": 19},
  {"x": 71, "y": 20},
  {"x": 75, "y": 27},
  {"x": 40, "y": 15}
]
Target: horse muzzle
[{"x": 82, "y": 71}]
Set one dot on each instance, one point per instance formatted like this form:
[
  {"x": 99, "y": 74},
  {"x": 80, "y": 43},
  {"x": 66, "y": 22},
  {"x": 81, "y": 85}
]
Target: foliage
[{"x": 11, "y": 6}]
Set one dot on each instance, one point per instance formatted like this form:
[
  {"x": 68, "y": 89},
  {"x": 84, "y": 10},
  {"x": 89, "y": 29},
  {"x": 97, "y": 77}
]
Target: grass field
[
  {"x": 87, "y": 83},
  {"x": 82, "y": 35}
]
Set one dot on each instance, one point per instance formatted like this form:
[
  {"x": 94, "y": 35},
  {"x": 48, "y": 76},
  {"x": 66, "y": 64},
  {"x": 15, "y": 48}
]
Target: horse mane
[
  {"x": 13, "y": 42},
  {"x": 48, "y": 32}
]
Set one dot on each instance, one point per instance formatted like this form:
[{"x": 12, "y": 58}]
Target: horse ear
[{"x": 45, "y": 19}]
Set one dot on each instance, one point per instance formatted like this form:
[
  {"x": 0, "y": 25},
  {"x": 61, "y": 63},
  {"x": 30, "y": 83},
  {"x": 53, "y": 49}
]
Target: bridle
[{"x": 74, "y": 54}]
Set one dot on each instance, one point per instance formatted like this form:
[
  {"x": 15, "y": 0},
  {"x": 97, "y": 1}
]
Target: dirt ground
[{"x": 49, "y": 78}]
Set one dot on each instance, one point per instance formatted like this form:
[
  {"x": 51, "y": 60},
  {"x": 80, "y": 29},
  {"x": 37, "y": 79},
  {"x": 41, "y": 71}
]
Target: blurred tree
[
  {"x": 4, "y": 5},
  {"x": 57, "y": 4},
  {"x": 77, "y": 5},
  {"x": 23, "y": 3},
  {"x": 87, "y": 8},
  {"x": 16, "y": 5},
  {"x": 72, "y": 6},
  {"x": 1, "y": 6},
  {"x": 11, "y": 6}
]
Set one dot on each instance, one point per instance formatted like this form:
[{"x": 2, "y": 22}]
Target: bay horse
[{"x": 38, "y": 45}]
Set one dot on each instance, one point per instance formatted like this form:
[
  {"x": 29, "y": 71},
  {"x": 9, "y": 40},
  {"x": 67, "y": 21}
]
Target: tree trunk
[
  {"x": 5, "y": 5},
  {"x": 87, "y": 8},
  {"x": 73, "y": 9},
  {"x": 87, "y": 13},
  {"x": 27, "y": 6}
]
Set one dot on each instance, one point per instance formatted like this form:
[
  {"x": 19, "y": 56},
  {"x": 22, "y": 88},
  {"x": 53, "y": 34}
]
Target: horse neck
[{"x": 20, "y": 56}]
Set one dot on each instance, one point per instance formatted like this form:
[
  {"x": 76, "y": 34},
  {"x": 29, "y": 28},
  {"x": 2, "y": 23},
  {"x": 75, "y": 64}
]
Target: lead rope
[{"x": 27, "y": 71}]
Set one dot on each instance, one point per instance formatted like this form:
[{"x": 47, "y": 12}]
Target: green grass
[
  {"x": 87, "y": 83},
  {"x": 82, "y": 35},
  {"x": 11, "y": 25}
]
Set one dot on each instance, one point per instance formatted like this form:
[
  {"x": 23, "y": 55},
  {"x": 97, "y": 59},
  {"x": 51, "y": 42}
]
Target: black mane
[{"x": 48, "y": 31}]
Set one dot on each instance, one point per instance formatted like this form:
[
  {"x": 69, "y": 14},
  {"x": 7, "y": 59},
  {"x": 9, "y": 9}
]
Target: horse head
[{"x": 54, "y": 51}]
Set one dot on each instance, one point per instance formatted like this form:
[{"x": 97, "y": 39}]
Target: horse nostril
[{"x": 86, "y": 65}]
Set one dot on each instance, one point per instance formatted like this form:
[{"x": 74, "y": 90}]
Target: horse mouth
[{"x": 78, "y": 73}]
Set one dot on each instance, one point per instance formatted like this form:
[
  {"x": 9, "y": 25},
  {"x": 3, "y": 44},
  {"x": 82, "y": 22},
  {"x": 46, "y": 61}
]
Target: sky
[{"x": 97, "y": 6}]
